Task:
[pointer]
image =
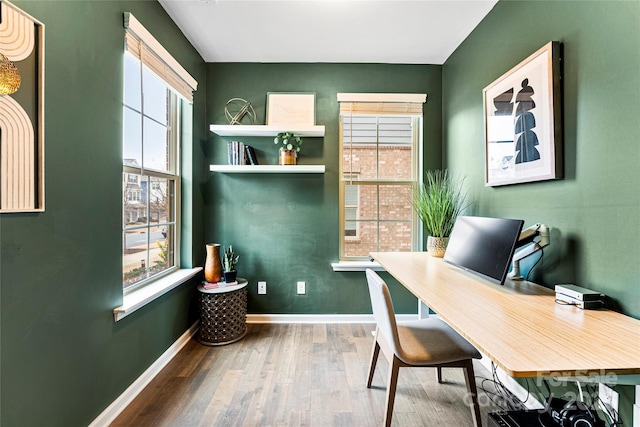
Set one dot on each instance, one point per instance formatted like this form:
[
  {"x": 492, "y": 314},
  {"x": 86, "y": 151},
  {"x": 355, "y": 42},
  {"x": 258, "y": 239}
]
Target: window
[
  {"x": 155, "y": 90},
  {"x": 351, "y": 196},
  {"x": 151, "y": 141},
  {"x": 380, "y": 139}
]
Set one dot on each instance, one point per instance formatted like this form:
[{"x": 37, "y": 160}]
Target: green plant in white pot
[{"x": 438, "y": 202}]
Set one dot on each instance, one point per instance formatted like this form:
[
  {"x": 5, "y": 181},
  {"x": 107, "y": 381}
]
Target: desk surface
[{"x": 519, "y": 325}]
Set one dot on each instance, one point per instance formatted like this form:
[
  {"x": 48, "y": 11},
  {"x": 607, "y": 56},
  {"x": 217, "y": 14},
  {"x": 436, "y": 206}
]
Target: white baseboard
[
  {"x": 320, "y": 318},
  {"x": 112, "y": 411}
]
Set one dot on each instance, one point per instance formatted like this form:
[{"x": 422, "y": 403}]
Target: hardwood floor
[{"x": 295, "y": 375}]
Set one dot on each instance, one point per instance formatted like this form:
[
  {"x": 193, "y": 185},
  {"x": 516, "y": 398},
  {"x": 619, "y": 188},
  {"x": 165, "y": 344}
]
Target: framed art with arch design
[
  {"x": 21, "y": 112},
  {"x": 523, "y": 121}
]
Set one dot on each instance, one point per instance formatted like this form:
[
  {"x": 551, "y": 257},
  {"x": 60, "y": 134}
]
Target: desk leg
[{"x": 423, "y": 310}]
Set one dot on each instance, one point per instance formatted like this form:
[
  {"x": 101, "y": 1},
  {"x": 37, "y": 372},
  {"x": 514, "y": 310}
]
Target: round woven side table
[{"x": 223, "y": 314}]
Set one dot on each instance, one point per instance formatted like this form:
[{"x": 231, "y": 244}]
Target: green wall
[
  {"x": 594, "y": 211},
  {"x": 285, "y": 227},
  {"x": 63, "y": 358}
]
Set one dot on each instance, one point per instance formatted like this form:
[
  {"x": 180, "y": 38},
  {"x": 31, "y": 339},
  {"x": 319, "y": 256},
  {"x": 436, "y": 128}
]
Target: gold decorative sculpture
[{"x": 9, "y": 76}]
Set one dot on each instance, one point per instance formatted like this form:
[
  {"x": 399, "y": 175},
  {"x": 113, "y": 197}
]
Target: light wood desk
[{"x": 519, "y": 325}]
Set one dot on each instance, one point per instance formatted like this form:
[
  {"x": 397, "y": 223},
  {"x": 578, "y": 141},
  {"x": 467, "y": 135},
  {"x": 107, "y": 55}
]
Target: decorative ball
[{"x": 237, "y": 109}]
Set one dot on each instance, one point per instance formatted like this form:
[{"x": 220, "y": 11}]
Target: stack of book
[
  {"x": 216, "y": 285},
  {"x": 241, "y": 154}
]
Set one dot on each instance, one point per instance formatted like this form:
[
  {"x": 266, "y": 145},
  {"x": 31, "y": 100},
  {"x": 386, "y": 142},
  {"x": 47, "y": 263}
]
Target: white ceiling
[{"x": 373, "y": 31}]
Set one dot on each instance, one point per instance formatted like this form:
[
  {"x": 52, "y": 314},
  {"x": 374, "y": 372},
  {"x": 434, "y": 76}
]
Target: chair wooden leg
[
  {"x": 391, "y": 389},
  {"x": 439, "y": 369},
  {"x": 374, "y": 359},
  {"x": 470, "y": 379}
]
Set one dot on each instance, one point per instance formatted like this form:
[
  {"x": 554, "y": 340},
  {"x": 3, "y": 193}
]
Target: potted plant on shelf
[
  {"x": 438, "y": 202},
  {"x": 290, "y": 144},
  {"x": 229, "y": 261}
]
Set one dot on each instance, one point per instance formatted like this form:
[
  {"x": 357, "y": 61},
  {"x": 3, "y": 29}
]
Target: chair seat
[{"x": 444, "y": 345}]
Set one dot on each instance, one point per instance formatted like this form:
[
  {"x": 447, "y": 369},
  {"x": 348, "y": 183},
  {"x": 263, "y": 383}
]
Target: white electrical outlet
[
  {"x": 609, "y": 398},
  {"x": 301, "y": 288},
  {"x": 262, "y": 288}
]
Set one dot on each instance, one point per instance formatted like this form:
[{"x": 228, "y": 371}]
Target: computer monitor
[{"x": 483, "y": 246}]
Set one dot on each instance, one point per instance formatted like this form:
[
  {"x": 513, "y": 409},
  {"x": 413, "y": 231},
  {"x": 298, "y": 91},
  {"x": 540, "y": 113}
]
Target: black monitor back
[{"x": 483, "y": 245}]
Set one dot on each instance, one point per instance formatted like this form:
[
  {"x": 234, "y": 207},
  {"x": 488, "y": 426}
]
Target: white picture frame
[
  {"x": 523, "y": 121},
  {"x": 291, "y": 109}
]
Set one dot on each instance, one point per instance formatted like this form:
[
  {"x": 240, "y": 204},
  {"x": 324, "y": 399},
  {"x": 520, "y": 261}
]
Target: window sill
[
  {"x": 356, "y": 266},
  {"x": 140, "y": 297}
]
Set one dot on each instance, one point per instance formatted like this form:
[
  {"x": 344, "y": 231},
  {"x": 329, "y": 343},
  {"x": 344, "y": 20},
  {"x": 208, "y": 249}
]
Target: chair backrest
[{"x": 383, "y": 310}]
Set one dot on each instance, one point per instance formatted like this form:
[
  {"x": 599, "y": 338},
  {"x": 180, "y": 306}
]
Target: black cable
[
  {"x": 499, "y": 395},
  {"x": 495, "y": 394},
  {"x": 536, "y": 263},
  {"x": 561, "y": 302},
  {"x": 539, "y": 391},
  {"x": 603, "y": 304},
  {"x": 491, "y": 394},
  {"x": 607, "y": 302},
  {"x": 498, "y": 387},
  {"x": 511, "y": 400},
  {"x": 614, "y": 416}
]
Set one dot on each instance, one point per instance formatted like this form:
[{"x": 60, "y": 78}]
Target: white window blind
[
  {"x": 141, "y": 44},
  {"x": 402, "y": 108},
  {"x": 382, "y": 103},
  {"x": 385, "y": 129}
]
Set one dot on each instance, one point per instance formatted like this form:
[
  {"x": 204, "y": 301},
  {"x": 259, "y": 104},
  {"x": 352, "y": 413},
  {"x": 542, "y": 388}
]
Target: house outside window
[{"x": 380, "y": 140}]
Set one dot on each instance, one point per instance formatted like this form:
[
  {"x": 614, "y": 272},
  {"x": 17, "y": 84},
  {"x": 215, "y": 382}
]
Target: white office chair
[{"x": 427, "y": 342}]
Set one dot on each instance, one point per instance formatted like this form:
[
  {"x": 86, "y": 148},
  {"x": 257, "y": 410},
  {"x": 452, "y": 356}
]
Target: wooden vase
[
  {"x": 288, "y": 157},
  {"x": 212, "y": 265}
]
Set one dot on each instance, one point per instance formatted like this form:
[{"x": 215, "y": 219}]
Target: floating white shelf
[
  {"x": 266, "y": 130},
  {"x": 267, "y": 168}
]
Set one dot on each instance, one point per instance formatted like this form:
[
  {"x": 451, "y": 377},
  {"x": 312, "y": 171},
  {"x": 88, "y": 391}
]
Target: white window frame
[
  {"x": 361, "y": 263},
  {"x": 171, "y": 175},
  {"x": 151, "y": 53}
]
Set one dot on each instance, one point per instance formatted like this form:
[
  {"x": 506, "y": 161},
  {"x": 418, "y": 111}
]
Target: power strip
[
  {"x": 585, "y": 305},
  {"x": 580, "y": 297}
]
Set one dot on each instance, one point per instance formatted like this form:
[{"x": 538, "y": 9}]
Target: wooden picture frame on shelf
[
  {"x": 291, "y": 109},
  {"x": 523, "y": 121}
]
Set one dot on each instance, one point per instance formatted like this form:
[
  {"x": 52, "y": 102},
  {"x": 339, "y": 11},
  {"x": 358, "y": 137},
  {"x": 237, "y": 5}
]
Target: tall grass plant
[{"x": 439, "y": 201}]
